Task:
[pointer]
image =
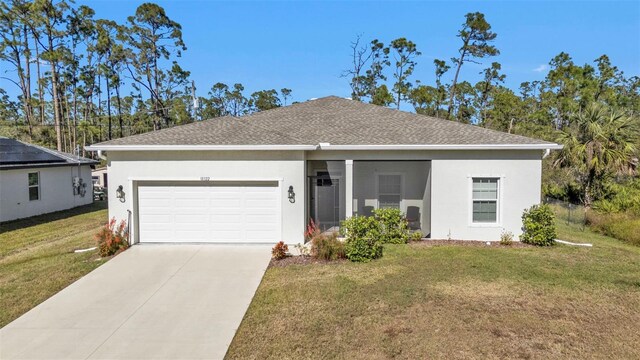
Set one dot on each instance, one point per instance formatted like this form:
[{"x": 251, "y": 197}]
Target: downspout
[
  {"x": 101, "y": 156},
  {"x": 546, "y": 153}
]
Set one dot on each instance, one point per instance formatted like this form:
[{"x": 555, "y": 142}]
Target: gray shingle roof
[{"x": 331, "y": 119}]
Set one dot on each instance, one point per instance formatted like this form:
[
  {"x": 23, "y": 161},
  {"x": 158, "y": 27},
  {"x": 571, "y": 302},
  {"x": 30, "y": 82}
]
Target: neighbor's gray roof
[
  {"x": 15, "y": 154},
  {"x": 331, "y": 119}
]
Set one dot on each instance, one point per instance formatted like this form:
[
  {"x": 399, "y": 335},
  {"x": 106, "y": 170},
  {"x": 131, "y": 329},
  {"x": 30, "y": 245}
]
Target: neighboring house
[
  {"x": 35, "y": 180},
  {"x": 99, "y": 177},
  {"x": 260, "y": 178}
]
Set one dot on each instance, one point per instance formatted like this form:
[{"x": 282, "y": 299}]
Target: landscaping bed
[{"x": 302, "y": 260}]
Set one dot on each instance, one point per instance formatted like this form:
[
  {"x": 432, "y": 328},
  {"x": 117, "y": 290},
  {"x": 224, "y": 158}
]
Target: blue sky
[{"x": 305, "y": 45}]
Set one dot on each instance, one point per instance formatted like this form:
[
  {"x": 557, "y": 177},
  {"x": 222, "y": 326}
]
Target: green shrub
[
  {"x": 362, "y": 242},
  {"x": 506, "y": 238},
  {"x": 416, "y": 236},
  {"x": 279, "y": 251},
  {"x": 327, "y": 247},
  {"x": 394, "y": 228},
  {"x": 620, "y": 198},
  {"x": 538, "y": 224}
]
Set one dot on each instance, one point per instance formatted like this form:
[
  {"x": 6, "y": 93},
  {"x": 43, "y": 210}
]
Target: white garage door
[{"x": 231, "y": 213}]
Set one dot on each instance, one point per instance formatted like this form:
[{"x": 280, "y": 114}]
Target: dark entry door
[{"x": 325, "y": 200}]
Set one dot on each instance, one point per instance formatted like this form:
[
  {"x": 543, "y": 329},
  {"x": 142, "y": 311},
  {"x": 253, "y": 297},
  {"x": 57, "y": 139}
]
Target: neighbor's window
[
  {"x": 485, "y": 200},
  {"x": 389, "y": 191},
  {"x": 34, "y": 186}
]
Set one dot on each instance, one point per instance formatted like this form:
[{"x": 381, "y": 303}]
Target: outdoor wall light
[
  {"x": 292, "y": 195},
  {"x": 120, "y": 194}
]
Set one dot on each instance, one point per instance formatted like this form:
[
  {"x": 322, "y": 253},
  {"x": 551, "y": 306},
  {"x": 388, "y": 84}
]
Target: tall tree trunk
[
  {"x": 40, "y": 88},
  {"x": 27, "y": 80},
  {"x": 455, "y": 78},
  {"x": 119, "y": 108},
  {"x": 106, "y": 78},
  {"x": 56, "y": 105}
]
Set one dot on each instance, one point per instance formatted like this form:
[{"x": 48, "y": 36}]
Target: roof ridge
[{"x": 442, "y": 120}]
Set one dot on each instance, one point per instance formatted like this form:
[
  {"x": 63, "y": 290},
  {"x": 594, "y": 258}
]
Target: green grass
[
  {"x": 37, "y": 258},
  {"x": 453, "y": 302}
]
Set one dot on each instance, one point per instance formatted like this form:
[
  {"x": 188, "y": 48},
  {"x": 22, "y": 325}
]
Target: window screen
[
  {"x": 389, "y": 191},
  {"x": 485, "y": 200},
  {"x": 34, "y": 186}
]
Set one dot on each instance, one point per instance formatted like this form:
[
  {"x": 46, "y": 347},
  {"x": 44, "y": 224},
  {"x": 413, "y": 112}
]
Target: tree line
[
  {"x": 592, "y": 109},
  {"x": 83, "y": 80},
  {"x": 71, "y": 69}
]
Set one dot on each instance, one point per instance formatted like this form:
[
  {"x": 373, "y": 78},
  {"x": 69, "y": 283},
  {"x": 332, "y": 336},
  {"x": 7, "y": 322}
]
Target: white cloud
[{"x": 541, "y": 68}]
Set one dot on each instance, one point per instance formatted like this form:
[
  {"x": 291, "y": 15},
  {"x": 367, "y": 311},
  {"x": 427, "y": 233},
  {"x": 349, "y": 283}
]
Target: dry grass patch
[{"x": 452, "y": 302}]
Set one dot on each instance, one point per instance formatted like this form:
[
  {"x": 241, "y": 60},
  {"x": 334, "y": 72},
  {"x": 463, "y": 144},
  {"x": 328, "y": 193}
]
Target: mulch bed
[
  {"x": 302, "y": 260},
  {"x": 308, "y": 260},
  {"x": 476, "y": 243}
]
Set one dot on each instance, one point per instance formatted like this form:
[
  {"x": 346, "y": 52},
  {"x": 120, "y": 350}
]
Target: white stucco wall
[
  {"x": 450, "y": 182},
  {"x": 56, "y": 191},
  {"x": 446, "y": 208},
  {"x": 451, "y": 202},
  {"x": 129, "y": 168}
]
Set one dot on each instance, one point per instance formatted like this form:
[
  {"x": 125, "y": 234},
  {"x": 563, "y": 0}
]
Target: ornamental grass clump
[
  {"x": 327, "y": 247},
  {"x": 112, "y": 239}
]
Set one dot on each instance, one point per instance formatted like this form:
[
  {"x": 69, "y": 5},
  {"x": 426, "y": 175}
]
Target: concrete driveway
[{"x": 150, "y": 302}]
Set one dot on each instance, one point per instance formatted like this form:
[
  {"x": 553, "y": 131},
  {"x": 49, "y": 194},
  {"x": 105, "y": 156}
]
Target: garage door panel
[
  {"x": 261, "y": 218},
  {"x": 190, "y": 236},
  {"x": 233, "y": 214},
  {"x": 191, "y": 203},
  {"x": 157, "y": 218},
  {"x": 228, "y": 235},
  {"x": 158, "y": 202},
  {"x": 258, "y": 236}
]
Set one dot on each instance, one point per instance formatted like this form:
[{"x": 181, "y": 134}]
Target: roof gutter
[
  {"x": 325, "y": 146},
  {"x": 321, "y": 146},
  {"x": 101, "y": 148}
]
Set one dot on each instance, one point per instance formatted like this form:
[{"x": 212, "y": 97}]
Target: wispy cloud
[{"x": 541, "y": 68}]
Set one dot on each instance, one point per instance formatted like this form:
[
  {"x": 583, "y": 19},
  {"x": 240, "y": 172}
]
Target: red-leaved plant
[
  {"x": 312, "y": 231},
  {"x": 112, "y": 239},
  {"x": 279, "y": 251}
]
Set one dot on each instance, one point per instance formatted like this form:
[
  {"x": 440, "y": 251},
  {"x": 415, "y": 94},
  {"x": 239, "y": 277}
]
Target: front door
[{"x": 325, "y": 200}]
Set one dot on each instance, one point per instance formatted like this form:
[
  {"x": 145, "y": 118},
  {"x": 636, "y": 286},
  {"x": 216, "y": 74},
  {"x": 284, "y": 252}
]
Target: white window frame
[
  {"x": 29, "y": 186},
  {"x": 378, "y": 174},
  {"x": 499, "y": 200}
]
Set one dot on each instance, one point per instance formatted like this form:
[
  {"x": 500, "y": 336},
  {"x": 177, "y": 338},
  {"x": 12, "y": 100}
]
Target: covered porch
[{"x": 338, "y": 189}]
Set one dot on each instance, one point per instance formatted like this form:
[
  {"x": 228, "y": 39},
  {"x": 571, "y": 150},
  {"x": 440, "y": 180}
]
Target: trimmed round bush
[
  {"x": 362, "y": 242},
  {"x": 538, "y": 225},
  {"x": 363, "y": 249},
  {"x": 394, "y": 228}
]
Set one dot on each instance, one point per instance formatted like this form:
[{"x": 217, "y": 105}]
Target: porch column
[{"x": 348, "y": 193}]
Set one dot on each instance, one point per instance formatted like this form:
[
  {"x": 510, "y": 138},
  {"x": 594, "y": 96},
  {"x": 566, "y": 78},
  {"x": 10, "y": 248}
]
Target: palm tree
[{"x": 599, "y": 144}]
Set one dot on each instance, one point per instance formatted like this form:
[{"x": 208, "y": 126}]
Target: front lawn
[
  {"x": 37, "y": 258},
  {"x": 453, "y": 302}
]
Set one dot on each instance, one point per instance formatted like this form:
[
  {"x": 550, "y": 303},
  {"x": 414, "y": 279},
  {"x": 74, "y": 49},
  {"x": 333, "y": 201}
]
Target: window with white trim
[
  {"x": 389, "y": 191},
  {"x": 485, "y": 200},
  {"x": 34, "y": 186}
]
